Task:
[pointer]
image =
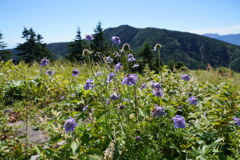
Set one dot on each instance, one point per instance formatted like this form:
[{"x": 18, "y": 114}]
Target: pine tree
[
  {"x": 76, "y": 48},
  {"x": 98, "y": 42},
  {"x": 146, "y": 55},
  {"x": 33, "y": 48},
  {"x": 4, "y": 54}
]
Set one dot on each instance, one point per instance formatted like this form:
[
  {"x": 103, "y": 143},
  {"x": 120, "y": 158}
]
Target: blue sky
[{"x": 57, "y": 20}]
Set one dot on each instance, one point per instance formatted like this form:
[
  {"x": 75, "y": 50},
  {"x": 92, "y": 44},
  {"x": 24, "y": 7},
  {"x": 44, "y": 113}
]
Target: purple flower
[
  {"x": 179, "y": 122},
  {"x": 118, "y": 66},
  {"x": 114, "y": 97},
  {"x": 116, "y": 40},
  {"x": 193, "y": 100},
  {"x": 85, "y": 108},
  {"x": 108, "y": 101},
  {"x": 138, "y": 138},
  {"x": 44, "y": 62},
  {"x": 89, "y": 84},
  {"x": 89, "y": 37},
  {"x": 237, "y": 120},
  {"x": 75, "y": 72},
  {"x": 158, "y": 111},
  {"x": 98, "y": 73},
  {"x": 130, "y": 79},
  {"x": 156, "y": 85},
  {"x": 185, "y": 77},
  {"x": 108, "y": 59},
  {"x": 70, "y": 125},
  {"x": 49, "y": 72},
  {"x": 121, "y": 107},
  {"x": 158, "y": 93},
  {"x": 143, "y": 86},
  {"x": 131, "y": 58},
  {"x": 110, "y": 77},
  {"x": 126, "y": 99},
  {"x": 135, "y": 65}
]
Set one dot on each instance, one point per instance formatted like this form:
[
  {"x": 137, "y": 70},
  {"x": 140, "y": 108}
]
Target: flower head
[
  {"x": 89, "y": 37},
  {"x": 156, "y": 85},
  {"x": 193, "y": 100},
  {"x": 158, "y": 93},
  {"x": 110, "y": 77},
  {"x": 138, "y": 138},
  {"x": 143, "y": 86},
  {"x": 116, "y": 40},
  {"x": 121, "y": 107},
  {"x": 44, "y": 62},
  {"x": 126, "y": 47},
  {"x": 185, "y": 77},
  {"x": 98, "y": 73},
  {"x": 130, "y": 79},
  {"x": 118, "y": 66},
  {"x": 158, "y": 111},
  {"x": 89, "y": 84},
  {"x": 131, "y": 58},
  {"x": 75, "y": 72},
  {"x": 70, "y": 125},
  {"x": 49, "y": 72},
  {"x": 179, "y": 122},
  {"x": 86, "y": 52},
  {"x": 108, "y": 59},
  {"x": 135, "y": 65},
  {"x": 157, "y": 46},
  {"x": 237, "y": 120},
  {"x": 114, "y": 97}
]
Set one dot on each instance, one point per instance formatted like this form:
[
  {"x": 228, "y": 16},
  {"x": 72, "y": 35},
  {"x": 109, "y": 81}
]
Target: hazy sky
[{"x": 57, "y": 20}]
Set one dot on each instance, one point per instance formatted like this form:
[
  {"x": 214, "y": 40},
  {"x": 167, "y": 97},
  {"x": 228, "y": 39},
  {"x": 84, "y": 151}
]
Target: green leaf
[{"x": 74, "y": 146}]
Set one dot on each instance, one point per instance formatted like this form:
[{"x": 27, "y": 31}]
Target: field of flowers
[{"x": 111, "y": 111}]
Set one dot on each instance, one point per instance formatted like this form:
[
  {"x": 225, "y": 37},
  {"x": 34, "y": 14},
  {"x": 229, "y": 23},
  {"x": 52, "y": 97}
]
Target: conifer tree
[
  {"x": 98, "y": 42},
  {"x": 76, "y": 48},
  {"x": 33, "y": 48},
  {"x": 147, "y": 56},
  {"x": 4, "y": 54}
]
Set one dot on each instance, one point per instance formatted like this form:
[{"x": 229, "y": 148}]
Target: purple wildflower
[
  {"x": 108, "y": 59},
  {"x": 75, "y": 72},
  {"x": 116, "y": 40},
  {"x": 131, "y": 58},
  {"x": 130, "y": 79},
  {"x": 70, "y": 125},
  {"x": 89, "y": 84},
  {"x": 85, "y": 108},
  {"x": 110, "y": 77},
  {"x": 121, "y": 107},
  {"x": 126, "y": 99},
  {"x": 118, "y": 66},
  {"x": 158, "y": 93},
  {"x": 193, "y": 100},
  {"x": 114, "y": 97},
  {"x": 185, "y": 77},
  {"x": 158, "y": 111},
  {"x": 156, "y": 85},
  {"x": 108, "y": 101},
  {"x": 135, "y": 65},
  {"x": 143, "y": 86},
  {"x": 44, "y": 62},
  {"x": 237, "y": 120},
  {"x": 49, "y": 72},
  {"x": 89, "y": 37},
  {"x": 138, "y": 138},
  {"x": 98, "y": 73},
  {"x": 179, "y": 122}
]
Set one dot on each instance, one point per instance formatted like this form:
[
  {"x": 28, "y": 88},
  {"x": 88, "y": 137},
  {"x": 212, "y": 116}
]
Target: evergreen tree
[
  {"x": 98, "y": 42},
  {"x": 33, "y": 48},
  {"x": 4, "y": 54},
  {"x": 146, "y": 56},
  {"x": 76, "y": 48}
]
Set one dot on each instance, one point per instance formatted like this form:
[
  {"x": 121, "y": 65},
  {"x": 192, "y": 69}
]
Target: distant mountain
[
  {"x": 229, "y": 38},
  {"x": 195, "y": 51}
]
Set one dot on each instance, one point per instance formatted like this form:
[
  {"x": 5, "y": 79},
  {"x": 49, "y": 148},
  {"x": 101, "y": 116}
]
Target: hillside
[
  {"x": 229, "y": 38},
  {"x": 195, "y": 51}
]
